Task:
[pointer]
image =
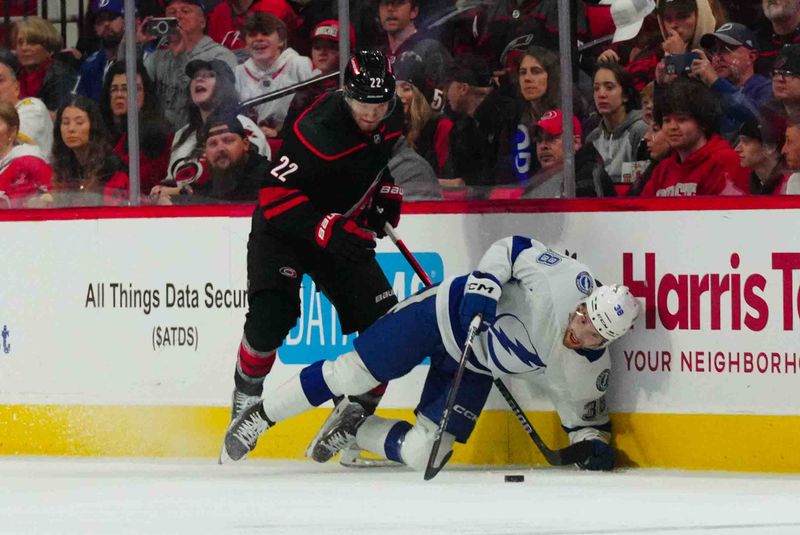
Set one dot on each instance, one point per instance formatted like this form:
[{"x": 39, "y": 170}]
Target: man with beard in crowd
[
  {"x": 109, "y": 25},
  {"x": 237, "y": 169}
]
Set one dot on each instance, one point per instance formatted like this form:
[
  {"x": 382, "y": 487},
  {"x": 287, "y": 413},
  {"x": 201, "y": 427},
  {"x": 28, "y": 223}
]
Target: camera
[
  {"x": 161, "y": 26},
  {"x": 680, "y": 63}
]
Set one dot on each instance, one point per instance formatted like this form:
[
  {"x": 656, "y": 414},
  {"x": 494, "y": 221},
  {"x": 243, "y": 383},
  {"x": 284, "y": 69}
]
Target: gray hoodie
[
  {"x": 619, "y": 146},
  {"x": 169, "y": 74}
]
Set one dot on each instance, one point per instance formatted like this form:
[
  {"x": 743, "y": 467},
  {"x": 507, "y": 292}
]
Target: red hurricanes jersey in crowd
[
  {"x": 326, "y": 165},
  {"x": 224, "y": 26},
  {"x": 713, "y": 169}
]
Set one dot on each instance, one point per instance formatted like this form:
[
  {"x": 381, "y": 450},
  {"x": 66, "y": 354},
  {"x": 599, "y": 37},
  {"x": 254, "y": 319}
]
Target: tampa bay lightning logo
[
  {"x": 584, "y": 282},
  {"x": 510, "y": 344}
]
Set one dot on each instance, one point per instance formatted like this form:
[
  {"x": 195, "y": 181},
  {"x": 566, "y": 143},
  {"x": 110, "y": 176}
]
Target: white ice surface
[{"x": 89, "y": 496}]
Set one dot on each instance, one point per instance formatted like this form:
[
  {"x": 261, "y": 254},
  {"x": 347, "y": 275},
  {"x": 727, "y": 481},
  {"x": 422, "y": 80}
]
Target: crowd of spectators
[{"x": 670, "y": 97}]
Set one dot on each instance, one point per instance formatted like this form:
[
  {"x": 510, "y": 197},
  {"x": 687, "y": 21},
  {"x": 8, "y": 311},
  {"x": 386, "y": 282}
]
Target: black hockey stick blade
[
  {"x": 431, "y": 469},
  {"x": 580, "y": 451}
]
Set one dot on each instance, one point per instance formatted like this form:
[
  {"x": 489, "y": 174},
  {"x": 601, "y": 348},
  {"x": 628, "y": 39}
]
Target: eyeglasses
[
  {"x": 722, "y": 50},
  {"x": 779, "y": 73}
]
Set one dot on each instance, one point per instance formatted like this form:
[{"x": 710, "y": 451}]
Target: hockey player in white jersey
[{"x": 544, "y": 321}]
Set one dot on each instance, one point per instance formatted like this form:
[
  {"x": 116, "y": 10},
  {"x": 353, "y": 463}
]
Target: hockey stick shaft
[
  {"x": 268, "y": 97},
  {"x": 580, "y": 451},
  {"x": 431, "y": 469},
  {"x": 392, "y": 233}
]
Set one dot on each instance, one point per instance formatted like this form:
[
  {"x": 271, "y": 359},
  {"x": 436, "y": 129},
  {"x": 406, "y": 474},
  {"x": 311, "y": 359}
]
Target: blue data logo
[{"x": 318, "y": 334}]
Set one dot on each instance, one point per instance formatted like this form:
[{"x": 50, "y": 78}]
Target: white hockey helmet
[{"x": 612, "y": 310}]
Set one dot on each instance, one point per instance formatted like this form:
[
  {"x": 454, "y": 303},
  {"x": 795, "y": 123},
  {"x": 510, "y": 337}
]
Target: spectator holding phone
[
  {"x": 155, "y": 133},
  {"x": 109, "y": 26},
  {"x": 727, "y": 66},
  {"x": 167, "y": 66},
  {"x": 683, "y": 23},
  {"x": 44, "y": 74},
  {"x": 86, "y": 172},
  {"x": 272, "y": 65}
]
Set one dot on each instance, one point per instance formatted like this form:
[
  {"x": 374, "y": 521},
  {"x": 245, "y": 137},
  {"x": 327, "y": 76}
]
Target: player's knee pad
[
  {"x": 416, "y": 448},
  {"x": 272, "y": 314},
  {"x": 347, "y": 374}
]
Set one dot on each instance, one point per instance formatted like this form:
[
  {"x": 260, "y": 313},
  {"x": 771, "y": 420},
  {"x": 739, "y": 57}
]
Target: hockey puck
[{"x": 514, "y": 479}]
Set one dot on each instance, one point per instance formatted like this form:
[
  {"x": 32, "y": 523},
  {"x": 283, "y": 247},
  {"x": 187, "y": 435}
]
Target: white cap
[
  {"x": 628, "y": 16},
  {"x": 612, "y": 310}
]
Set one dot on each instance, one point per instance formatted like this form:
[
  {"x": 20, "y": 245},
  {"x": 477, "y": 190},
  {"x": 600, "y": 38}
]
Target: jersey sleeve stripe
[
  {"x": 284, "y": 207},
  {"x": 519, "y": 244},
  {"x": 270, "y": 197}
]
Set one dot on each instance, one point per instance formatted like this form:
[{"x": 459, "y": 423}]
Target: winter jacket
[
  {"x": 739, "y": 105},
  {"x": 713, "y": 169},
  {"x": 618, "y": 146},
  {"x": 24, "y": 172},
  {"x": 172, "y": 84},
  {"x": 92, "y": 75},
  {"x": 251, "y": 81}
]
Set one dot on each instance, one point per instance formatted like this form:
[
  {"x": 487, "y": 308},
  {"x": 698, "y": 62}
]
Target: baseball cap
[
  {"x": 10, "y": 59},
  {"x": 551, "y": 122},
  {"x": 788, "y": 59},
  {"x": 223, "y": 122},
  {"x": 410, "y": 68},
  {"x": 678, "y": 5},
  {"x": 769, "y": 130},
  {"x": 219, "y": 67},
  {"x": 731, "y": 33},
  {"x": 199, "y": 3},
  {"x": 628, "y": 16},
  {"x": 329, "y": 29},
  {"x": 470, "y": 69},
  {"x": 117, "y": 7}
]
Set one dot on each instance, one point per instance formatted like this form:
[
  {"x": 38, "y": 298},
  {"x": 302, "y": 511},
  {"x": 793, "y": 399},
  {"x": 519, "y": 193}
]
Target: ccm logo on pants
[{"x": 466, "y": 413}]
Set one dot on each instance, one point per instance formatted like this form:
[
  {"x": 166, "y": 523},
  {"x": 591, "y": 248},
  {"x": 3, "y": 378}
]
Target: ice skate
[
  {"x": 338, "y": 432},
  {"x": 243, "y": 433},
  {"x": 240, "y": 403}
]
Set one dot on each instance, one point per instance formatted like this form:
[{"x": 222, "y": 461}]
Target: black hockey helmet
[{"x": 369, "y": 77}]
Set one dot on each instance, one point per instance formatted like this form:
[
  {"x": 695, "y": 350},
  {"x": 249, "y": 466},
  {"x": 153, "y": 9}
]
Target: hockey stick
[
  {"x": 569, "y": 455},
  {"x": 431, "y": 469},
  {"x": 580, "y": 451},
  {"x": 268, "y": 97},
  {"x": 389, "y": 229}
]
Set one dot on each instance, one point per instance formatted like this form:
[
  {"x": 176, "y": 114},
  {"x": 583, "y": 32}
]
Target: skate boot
[
  {"x": 338, "y": 432},
  {"x": 240, "y": 403},
  {"x": 243, "y": 433}
]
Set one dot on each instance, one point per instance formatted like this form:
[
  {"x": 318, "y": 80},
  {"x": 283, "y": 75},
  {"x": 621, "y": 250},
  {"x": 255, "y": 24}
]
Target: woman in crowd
[
  {"x": 155, "y": 135},
  {"x": 621, "y": 128},
  {"x": 24, "y": 173},
  {"x": 759, "y": 149},
  {"x": 86, "y": 170},
  {"x": 683, "y": 23},
  {"x": 271, "y": 66},
  {"x": 212, "y": 88},
  {"x": 44, "y": 74}
]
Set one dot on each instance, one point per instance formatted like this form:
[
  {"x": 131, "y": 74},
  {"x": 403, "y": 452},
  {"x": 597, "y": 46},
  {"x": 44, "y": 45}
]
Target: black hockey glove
[
  {"x": 342, "y": 237},
  {"x": 385, "y": 208},
  {"x": 602, "y": 457}
]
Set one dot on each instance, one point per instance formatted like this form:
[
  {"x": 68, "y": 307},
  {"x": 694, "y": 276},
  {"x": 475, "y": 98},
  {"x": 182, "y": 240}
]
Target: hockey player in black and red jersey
[{"x": 327, "y": 198}]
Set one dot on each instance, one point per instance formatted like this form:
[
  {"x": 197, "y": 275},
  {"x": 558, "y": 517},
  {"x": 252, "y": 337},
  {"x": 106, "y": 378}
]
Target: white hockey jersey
[
  {"x": 289, "y": 69},
  {"x": 540, "y": 289},
  {"x": 35, "y": 124}
]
